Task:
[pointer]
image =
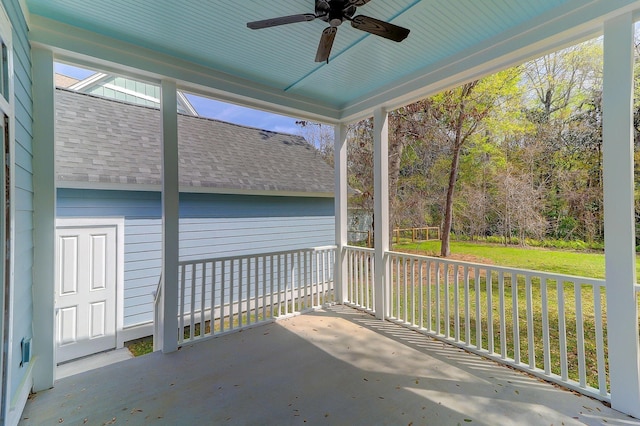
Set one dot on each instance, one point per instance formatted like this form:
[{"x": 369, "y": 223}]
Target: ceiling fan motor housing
[{"x": 335, "y": 12}]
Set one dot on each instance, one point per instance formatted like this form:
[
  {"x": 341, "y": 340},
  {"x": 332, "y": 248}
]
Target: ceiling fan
[{"x": 335, "y": 12}]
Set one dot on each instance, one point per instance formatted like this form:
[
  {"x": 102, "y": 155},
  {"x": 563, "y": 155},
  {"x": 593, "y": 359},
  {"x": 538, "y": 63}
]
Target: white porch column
[
  {"x": 340, "y": 161},
  {"x": 619, "y": 225},
  {"x": 381, "y": 209},
  {"x": 44, "y": 219},
  {"x": 170, "y": 215}
]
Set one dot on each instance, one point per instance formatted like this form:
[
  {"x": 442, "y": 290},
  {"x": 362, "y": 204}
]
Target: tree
[
  {"x": 459, "y": 114},
  {"x": 517, "y": 206},
  {"x": 564, "y": 104}
]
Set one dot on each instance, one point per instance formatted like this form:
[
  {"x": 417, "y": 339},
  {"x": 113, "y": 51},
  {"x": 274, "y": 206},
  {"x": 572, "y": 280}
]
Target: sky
[{"x": 214, "y": 109}]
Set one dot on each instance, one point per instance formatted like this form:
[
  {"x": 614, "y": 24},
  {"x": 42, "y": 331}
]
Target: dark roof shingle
[{"x": 110, "y": 142}]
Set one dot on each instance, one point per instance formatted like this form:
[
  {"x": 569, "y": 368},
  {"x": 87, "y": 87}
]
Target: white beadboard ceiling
[{"x": 450, "y": 40}]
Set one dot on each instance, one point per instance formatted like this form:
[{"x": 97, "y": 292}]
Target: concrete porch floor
[{"x": 336, "y": 367}]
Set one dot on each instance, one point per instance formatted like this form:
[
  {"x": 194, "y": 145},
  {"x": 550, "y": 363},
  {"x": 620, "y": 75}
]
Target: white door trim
[{"x": 118, "y": 222}]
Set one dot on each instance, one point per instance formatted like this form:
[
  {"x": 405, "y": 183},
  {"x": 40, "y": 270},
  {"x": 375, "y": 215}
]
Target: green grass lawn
[{"x": 584, "y": 264}]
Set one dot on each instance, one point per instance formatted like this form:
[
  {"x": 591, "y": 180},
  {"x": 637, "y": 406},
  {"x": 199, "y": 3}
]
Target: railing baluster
[
  {"x": 249, "y": 297},
  {"x": 413, "y": 292},
  {"x": 293, "y": 267},
  {"x": 372, "y": 273},
  {"x": 223, "y": 285},
  {"x": 287, "y": 284},
  {"x": 421, "y": 290},
  {"x": 331, "y": 259},
  {"x": 597, "y": 308},
  {"x": 545, "y": 326},
  {"x": 530, "y": 336},
  {"x": 350, "y": 272},
  {"x": 264, "y": 288},
  {"x": 363, "y": 280},
  {"x": 256, "y": 289},
  {"x": 240, "y": 291},
  {"x": 516, "y": 318},
  {"x": 192, "y": 307},
  {"x": 273, "y": 274},
  {"x": 582, "y": 370},
  {"x": 213, "y": 297},
  {"x": 324, "y": 276},
  {"x": 456, "y": 303},
  {"x": 366, "y": 280},
  {"x": 232, "y": 271},
  {"x": 356, "y": 279},
  {"x": 429, "y": 313},
  {"x": 478, "y": 309},
  {"x": 298, "y": 304},
  {"x": 562, "y": 331},
  {"x": 182, "y": 303},
  {"x": 503, "y": 319},
  {"x": 405, "y": 317},
  {"x": 397, "y": 288},
  {"x": 203, "y": 296},
  {"x": 467, "y": 307},
  {"x": 437, "y": 297},
  {"x": 281, "y": 291},
  {"x": 489, "y": 286},
  {"x": 295, "y": 270},
  {"x": 316, "y": 260},
  {"x": 447, "y": 307}
]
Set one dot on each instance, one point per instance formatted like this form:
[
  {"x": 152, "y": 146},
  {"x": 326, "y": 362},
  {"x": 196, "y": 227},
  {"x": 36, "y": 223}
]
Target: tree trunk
[
  {"x": 396, "y": 146},
  {"x": 445, "y": 249}
]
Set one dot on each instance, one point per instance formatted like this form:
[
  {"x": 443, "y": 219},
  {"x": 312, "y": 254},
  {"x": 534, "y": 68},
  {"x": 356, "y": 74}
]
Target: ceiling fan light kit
[{"x": 335, "y": 12}]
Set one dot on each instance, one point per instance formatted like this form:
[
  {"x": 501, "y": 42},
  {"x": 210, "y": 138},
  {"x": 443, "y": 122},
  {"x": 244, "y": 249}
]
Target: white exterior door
[{"x": 85, "y": 290}]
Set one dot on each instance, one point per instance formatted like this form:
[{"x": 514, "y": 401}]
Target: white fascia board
[
  {"x": 572, "y": 23},
  {"x": 91, "y": 80},
  {"x": 85, "y": 47},
  {"x": 182, "y": 100},
  {"x": 105, "y": 186}
]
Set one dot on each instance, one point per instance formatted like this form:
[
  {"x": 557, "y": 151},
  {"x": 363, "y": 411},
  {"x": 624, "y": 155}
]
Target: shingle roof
[{"x": 103, "y": 142}]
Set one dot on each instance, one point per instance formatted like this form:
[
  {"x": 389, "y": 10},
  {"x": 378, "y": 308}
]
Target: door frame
[{"x": 89, "y": 222}]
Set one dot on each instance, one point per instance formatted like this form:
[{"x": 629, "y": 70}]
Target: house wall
[
  {"x": 211, "y": 225},
  {"x": 22, "y": 302}
]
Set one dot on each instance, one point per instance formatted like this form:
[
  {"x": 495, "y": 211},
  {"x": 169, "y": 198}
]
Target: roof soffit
[{"x": 333, "y": 92}]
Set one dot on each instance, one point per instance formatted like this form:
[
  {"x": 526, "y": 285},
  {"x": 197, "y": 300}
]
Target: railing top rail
[
  {"x": 365, "y": 249},
  {"x": 541, "y": 274},
  {"x": 251, "y": 256}
]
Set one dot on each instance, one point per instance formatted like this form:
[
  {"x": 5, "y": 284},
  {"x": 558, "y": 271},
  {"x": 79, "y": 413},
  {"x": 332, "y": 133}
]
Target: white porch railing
[
  {"x": 222, "y": 294},
  {"x": 360, "y": 278},
  {"x": 549, "y": 325}
]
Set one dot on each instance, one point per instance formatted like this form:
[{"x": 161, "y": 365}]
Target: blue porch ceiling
[{"x": 214, "y": 35}]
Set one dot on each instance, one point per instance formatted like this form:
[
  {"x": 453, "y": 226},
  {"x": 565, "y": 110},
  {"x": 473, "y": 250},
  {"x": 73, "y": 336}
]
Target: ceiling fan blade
[
  {"x": 326, "y": 43},
  {"x": 379, "y": 28},
  {"x": 357, "y": 3},
  {"x": 273, "y": 22}
]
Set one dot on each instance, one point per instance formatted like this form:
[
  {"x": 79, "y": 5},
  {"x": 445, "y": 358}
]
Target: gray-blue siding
[
  {"x": 23, "y": 196},
  {"x": 211, "y": 225}
]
